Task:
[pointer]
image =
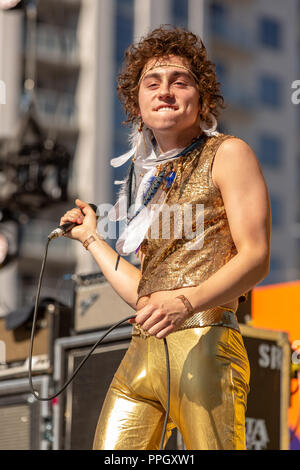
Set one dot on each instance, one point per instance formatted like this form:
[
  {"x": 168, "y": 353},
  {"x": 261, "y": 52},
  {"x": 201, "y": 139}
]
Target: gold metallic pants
[{"x": 209, "y": 371}]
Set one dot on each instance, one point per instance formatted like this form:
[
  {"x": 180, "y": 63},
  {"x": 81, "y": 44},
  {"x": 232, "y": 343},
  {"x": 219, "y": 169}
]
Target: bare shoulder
[
  {"x": 235, "y": 159},
  {"x": 234, "y": 149}
]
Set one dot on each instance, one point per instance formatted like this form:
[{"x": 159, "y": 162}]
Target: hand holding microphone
[{"x": 77, "y": 223}]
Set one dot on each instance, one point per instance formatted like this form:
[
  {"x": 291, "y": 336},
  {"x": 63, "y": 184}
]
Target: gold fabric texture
[
  {"x": 209, "y": 385},
  {"x": 174, "y": 259},
  {"x": 217, "y": 316}
]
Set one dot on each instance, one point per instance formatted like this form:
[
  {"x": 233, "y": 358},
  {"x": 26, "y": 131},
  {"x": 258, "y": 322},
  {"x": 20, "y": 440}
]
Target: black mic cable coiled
[{"x": 69, "y": 380}]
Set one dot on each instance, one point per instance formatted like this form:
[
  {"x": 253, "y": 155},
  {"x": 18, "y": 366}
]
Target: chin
[{"x": 165, "y": 126}]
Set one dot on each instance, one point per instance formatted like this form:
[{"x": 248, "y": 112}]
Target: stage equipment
[
  {"x": 8, "y": 239},
  {"x": 34, "y": 166},
  {"x": 96, "y": 304},
  {"x": 277, "y": 306},
  {"x": 77, "y": 410},
  {"x": 54, "y": 321},
  {"x": 269, "y": 398},
  {"x": 26, "y": 424},
  {"x": 34, "y": 169}
]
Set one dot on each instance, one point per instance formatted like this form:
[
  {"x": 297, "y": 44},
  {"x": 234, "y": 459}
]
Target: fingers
[
  {"x": 165, "y": 332},
  {"x": 143, "y": 314},
  {"x": 80, "y": 203},
  {"x": 154, "y": 321},
  {"x": 84, "y": 206},
  {"x": 74, "y": 215},
  {"x": 158, "y": 328}
]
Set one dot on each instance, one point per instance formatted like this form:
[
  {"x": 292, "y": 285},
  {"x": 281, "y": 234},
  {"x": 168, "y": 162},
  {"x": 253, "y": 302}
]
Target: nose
[{"x": 165, "y": 90}]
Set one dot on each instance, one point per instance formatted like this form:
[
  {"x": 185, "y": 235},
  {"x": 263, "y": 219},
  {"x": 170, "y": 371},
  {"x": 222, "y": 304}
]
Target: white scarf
[{"x": 146, "y": 161}]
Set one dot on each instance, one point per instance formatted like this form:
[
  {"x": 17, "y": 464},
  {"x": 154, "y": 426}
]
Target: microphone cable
[{"x": 99, "y": 341}]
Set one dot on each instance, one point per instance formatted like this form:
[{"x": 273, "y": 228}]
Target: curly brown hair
[{"x": 163, "y": 42}]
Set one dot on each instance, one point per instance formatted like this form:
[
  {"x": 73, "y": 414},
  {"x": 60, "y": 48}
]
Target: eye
[{"x": 180, "y": 83}]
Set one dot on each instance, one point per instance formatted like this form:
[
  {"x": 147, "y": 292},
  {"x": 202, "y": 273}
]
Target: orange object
[{"x": 277, "y": 307}]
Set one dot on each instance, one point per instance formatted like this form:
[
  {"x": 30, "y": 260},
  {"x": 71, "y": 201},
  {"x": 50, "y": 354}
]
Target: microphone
[{"x": 62, "y": 229}]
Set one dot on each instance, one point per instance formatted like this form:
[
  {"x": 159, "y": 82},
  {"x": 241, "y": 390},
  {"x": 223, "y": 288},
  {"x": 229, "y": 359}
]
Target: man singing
[{"x": 190, "y": 285}]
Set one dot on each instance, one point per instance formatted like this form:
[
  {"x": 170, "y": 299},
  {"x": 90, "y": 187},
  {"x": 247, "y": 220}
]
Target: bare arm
[
  {"x": 126, "y": 279},
  {"x": 237, "y": 174}
]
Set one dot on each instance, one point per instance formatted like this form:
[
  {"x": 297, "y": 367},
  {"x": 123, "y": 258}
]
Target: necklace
[{"x": 165, "y": 176}]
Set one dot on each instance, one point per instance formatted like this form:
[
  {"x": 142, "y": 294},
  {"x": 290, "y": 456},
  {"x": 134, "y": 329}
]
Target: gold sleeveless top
[{"x": 186, "y": 250}]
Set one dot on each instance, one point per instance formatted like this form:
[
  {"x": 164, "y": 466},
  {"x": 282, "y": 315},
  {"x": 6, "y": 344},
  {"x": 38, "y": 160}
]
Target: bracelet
[
  {"x": 187, "y": 304},
  {"x": 91, "y": 239}
]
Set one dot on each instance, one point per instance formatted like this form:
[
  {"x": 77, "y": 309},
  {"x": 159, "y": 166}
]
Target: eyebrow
[{"x": 174, "y": 74}]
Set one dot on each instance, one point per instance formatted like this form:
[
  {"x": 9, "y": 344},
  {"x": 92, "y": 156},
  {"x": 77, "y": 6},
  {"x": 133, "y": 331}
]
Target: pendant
[{"x": 170, "y": 178}]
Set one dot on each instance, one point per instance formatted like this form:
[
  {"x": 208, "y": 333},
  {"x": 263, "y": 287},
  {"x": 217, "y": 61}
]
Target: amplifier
[
  {"x": 53, "y": 321},
  {"x": 77, "y": 410},
  {"x": 96, "y": 304},
  {"x": 25, "y": 422},
  {"x": 269, "y": 396}
]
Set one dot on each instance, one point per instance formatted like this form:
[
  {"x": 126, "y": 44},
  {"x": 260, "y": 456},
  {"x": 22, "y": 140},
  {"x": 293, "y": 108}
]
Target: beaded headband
[{"x": 167, "y": 65}]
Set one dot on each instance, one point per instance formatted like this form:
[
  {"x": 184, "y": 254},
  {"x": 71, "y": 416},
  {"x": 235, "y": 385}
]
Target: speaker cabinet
[
  {"x": 77, "y": 410},
  {"x": 269, "y": 397},
  {"x": 54, "y": 320},
  {"x": 25, "y": 422}
]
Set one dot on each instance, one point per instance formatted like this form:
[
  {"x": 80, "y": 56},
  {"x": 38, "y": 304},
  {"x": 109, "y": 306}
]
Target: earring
[
  {"x": 140, "y": 128},
  {"x": 210, "y": 131}
]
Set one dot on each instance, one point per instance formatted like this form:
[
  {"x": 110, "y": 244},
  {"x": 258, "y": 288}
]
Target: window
[
  {"x": 217, "y": 17},
  {"x": 270, "y": 150},
  {"x": 124, "y": 28},
  {"x": 276, "y": 273},
  {"x": 180, "y": 13},
  {"x": 298, "y": 194},
  {"x": 220, "y": 71},
  {"x": 298, "y": 253},
  {"x": 275, "y": 263},
  {"x": 276, "y": 209},
  {"x": 124, "y": 17},
  {"x": 270, "y": 91},
  {"x": 270, "y": 32},
  {"x": 123, "y": 38},
  {"x": 223, "y": 128}
]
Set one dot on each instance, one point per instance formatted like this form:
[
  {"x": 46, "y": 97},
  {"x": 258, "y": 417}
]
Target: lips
[{"x": 165, "y": 107}]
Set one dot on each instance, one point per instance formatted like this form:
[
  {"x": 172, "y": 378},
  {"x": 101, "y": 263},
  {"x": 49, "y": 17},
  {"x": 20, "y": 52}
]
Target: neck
[{"x": 170, "y": 141}]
